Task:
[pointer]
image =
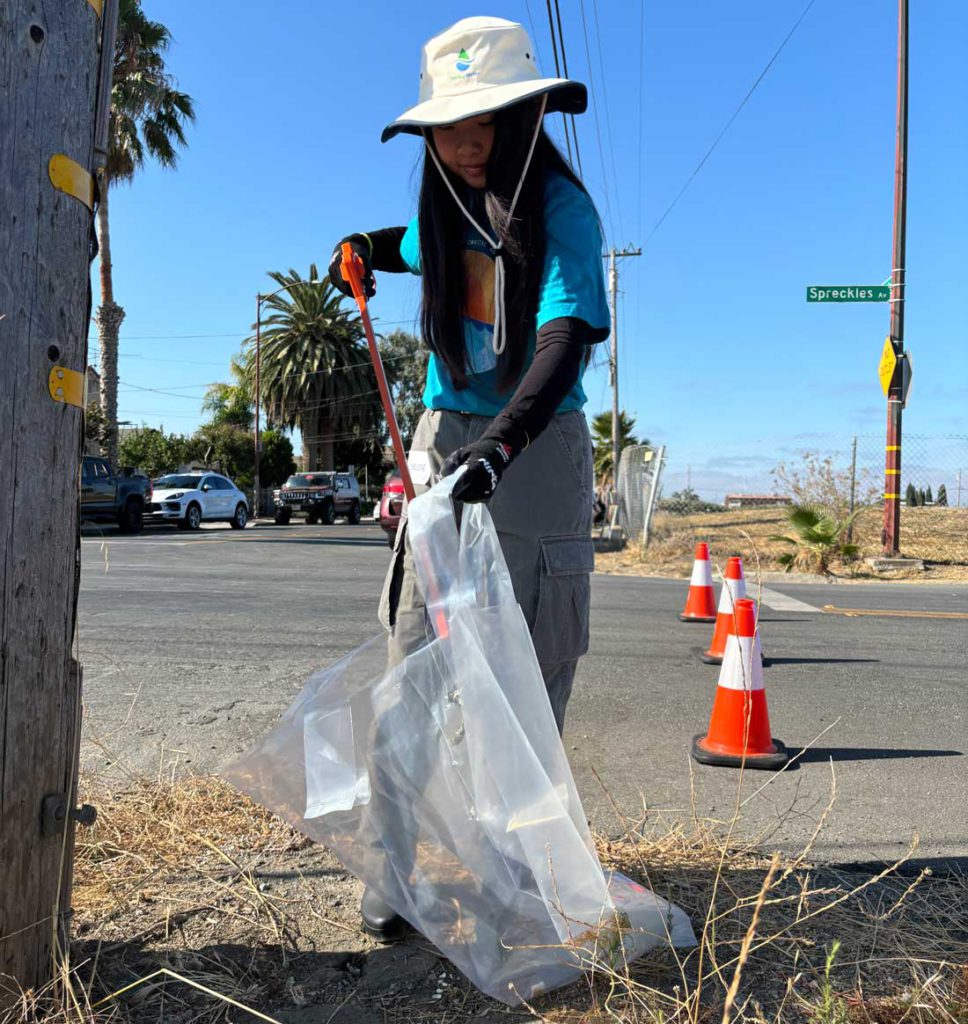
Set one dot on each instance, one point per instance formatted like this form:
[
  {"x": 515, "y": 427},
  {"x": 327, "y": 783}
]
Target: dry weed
[{"x": 173, "y": 848}]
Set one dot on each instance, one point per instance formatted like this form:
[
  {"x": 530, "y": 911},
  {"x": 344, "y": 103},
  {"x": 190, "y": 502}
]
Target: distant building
[{"x": 756, "y": 500}]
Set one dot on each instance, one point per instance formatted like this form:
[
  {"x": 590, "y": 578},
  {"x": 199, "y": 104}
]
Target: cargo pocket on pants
[{"x": 561, "y": 620}]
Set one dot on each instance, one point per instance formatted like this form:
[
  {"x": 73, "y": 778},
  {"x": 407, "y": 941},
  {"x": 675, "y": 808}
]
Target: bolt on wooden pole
[{"x": 49, "y": 72}]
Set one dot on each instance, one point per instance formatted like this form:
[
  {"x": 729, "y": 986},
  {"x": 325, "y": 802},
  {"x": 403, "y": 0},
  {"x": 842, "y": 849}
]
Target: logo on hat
[{"x": 464, "y": 61}]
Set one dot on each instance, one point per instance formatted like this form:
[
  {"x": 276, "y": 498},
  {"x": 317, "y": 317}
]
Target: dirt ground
[
  {"x": 937, "y": 535},
  {"x": 188, "y": 878}
]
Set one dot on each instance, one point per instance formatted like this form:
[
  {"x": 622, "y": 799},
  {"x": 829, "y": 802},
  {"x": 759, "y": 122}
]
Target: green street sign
[{"x": 848, "y": 293}]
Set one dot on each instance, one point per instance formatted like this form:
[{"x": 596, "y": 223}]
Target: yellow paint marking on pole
[
  {"x": 66, "y": 175},
  {"x": 895, "y": 613},
  {"x": 892, "y": 448},
  {"x": 892, "y": 472},
  {"x": 892, "y": 495}
]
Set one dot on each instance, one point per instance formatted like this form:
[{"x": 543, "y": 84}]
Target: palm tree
[
  {"x": 820, "y": 538},
  {"x": 148, "y": 116},
  {"x": 602, "y": 440},
  {"x": 231, "y": 403},
  {"x": 315, "y": 369}
]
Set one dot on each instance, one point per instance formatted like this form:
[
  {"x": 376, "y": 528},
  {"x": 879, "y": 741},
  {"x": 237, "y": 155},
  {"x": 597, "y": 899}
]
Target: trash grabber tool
[{"x": 352, "y": 270}]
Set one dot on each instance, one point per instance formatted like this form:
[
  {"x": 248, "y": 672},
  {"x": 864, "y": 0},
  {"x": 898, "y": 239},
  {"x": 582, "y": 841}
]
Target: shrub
[{"x": 815, "y": 480}]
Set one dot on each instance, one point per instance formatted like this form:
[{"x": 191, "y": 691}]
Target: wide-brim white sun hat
[{"x": 477, "y": 66}]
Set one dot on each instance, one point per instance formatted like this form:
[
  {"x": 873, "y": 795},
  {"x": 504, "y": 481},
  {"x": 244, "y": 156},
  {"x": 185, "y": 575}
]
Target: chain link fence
[
  {"x": 749, "y": 492},
  {"x": 639, "y": 476}
]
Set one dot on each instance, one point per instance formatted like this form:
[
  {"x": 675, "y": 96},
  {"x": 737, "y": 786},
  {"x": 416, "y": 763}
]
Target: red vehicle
[{"x": 391, "y": 504}]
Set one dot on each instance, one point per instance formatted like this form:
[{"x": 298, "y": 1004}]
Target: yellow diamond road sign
[{"x": 887, "y": 365}]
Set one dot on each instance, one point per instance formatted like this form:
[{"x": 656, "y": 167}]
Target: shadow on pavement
[
  {"x": 351, "y": 542},
  {"x": 815, "y": 755},
  {"x": 767, "y": 662}
]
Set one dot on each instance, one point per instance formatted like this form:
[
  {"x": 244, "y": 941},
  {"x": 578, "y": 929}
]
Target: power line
[
  {"x": 236, "y": 334},
  {"x": 564, "y": 64},
  {"x": 608, "y": 120},
  {"x": 534, "y": 34},
  {"x": 736, "y": 113},
  {"x": 598, "y": 130},
  {"x": 554, "y": 50},
  {"x": 165, "y": 389}
]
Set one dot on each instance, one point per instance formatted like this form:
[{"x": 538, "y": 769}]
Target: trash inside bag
[{"x": 442, "y": 783}]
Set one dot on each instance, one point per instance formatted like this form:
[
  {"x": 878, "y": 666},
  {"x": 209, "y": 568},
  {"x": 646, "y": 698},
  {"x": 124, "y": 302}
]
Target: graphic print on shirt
[{"x": 479, "y": 307}]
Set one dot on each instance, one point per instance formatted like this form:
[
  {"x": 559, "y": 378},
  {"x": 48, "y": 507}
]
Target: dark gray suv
[{"x": 320, "y": 497}]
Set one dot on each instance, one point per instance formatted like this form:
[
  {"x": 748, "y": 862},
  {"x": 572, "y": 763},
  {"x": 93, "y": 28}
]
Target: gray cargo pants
[{"x": 542, "y": 511}]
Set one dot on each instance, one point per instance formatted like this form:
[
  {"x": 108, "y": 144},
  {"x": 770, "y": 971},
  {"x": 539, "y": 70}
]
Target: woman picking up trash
[{"x": 508, "y": 245}]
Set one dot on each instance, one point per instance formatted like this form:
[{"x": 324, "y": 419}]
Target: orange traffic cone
[
  {"x": 739, "y": 728},
  {"x": 701, "y": 603},
  {"x": 734, "y": 588}
]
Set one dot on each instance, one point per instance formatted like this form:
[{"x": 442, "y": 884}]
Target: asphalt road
[{"x": 193, "y": 644}]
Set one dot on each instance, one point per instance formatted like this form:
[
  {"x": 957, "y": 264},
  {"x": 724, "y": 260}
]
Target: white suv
[{"x": 189, "y": 499}]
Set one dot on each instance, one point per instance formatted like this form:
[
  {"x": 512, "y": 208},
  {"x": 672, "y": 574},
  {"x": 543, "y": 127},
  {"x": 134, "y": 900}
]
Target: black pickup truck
[{"x": 105, "y": 497}]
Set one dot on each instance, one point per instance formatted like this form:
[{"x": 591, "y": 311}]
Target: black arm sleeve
[
  {"x": 385, "y": 250},
  {"x": 558, "y": 356}
]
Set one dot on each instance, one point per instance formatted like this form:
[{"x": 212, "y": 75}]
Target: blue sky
[{"x": 721, "y": 357}]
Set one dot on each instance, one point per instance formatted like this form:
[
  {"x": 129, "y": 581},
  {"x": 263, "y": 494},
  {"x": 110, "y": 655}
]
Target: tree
[
  {"x": 154, "y": 452},
  {"x": 315, "y": 368},
  {"x": 96, "y": 430},
  {"x": 227, "y": 447},
  {"x": 922, "y": 498},
  {"x": 911, "y": 496},
  {"x": 820, "y": 538},
  {"x": 816, "y": 480},
  {"x": 928, "y": 496},
  {"x": 942, "y": 498},
  {"x": 147, "y": 120},
  {"x": 602, "y": 440},
  {"x": 405, "y": 359},
  {"x": 231, "y": 403},
  {"x": 687, "y": 502},
  {"x": 276, "y": 461}
]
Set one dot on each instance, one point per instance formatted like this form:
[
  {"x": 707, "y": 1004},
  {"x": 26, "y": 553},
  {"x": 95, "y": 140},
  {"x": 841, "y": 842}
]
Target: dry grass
[
  {"x": 167, "y": 887},
  {"x": 937, "y": 535}
]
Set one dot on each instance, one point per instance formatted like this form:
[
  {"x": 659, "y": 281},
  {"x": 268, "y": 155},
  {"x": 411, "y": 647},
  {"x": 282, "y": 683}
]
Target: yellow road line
[{"x": 831, "y": 609}]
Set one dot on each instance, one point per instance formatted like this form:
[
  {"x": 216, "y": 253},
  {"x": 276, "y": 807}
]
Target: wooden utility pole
[
  {"x": 891, "y": 534},
  {"x": 49, "y": 81},
  {"x": 613, "y": 258}
]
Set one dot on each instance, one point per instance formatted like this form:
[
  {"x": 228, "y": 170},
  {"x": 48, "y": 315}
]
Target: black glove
[
  {"x": 486, "y": 461},
  {"x": 361, "y": 246}
]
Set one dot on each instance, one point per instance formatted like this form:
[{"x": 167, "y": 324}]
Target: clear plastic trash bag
[{"x": 442, "y": 783}]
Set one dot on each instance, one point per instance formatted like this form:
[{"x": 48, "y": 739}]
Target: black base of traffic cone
[{"x": 767, "y": 762}]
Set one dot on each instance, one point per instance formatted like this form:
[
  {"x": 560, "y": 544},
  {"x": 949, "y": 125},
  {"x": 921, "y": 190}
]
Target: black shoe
[{"x": 381, "y": 922}]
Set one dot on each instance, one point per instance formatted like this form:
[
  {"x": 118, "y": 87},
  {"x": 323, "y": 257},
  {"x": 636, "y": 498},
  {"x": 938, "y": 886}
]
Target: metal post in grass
[{"x": 50, "y": 82}]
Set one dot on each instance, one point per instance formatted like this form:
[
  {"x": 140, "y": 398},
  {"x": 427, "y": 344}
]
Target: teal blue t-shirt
[{"x": 572, "y": 285}]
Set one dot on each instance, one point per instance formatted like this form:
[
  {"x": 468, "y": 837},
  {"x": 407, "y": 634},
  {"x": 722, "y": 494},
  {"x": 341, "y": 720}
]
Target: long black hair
[{"x": 443, "y": 229}]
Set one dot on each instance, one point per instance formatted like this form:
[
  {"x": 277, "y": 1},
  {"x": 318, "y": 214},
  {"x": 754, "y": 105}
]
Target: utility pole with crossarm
[{"x": 613, "y": 256}]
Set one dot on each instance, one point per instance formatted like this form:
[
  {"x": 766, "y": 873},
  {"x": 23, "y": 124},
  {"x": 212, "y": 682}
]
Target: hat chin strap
[{"x": 499, "y": 341}]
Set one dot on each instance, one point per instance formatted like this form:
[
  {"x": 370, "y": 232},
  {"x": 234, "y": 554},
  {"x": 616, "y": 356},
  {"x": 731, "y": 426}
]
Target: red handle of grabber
[{"x": 351, "y": 268}]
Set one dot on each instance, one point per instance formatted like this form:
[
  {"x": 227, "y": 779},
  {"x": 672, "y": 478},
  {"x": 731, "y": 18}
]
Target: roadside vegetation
[{"x": 192, "y": 904}]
